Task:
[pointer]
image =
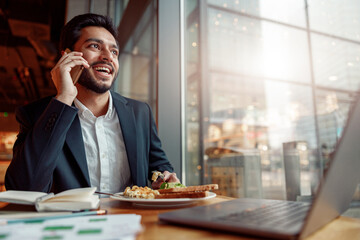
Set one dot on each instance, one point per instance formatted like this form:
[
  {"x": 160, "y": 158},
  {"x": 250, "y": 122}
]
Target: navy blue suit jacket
[{"x": 49, "y": 152}]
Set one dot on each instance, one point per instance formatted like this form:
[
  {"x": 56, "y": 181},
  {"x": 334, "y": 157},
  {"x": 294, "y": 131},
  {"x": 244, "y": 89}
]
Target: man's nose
[{"x": 106, "y": 55}]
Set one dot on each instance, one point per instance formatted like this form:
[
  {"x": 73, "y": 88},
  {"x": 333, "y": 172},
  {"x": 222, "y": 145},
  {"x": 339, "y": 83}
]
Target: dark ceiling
[{"x": 29, "y": 35}]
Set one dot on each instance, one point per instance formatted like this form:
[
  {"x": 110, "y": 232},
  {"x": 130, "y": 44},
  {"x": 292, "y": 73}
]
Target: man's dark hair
[{"x": 71, "y": 32}]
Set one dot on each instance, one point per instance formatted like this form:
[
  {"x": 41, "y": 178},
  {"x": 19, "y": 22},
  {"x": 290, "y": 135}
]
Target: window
[
  {"x": 137, "y": 62},
  {"x": 267, "y": 84}
]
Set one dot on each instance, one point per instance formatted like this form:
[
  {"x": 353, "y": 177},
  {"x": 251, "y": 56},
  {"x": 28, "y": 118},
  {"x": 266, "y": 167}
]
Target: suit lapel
[
  {"x": 127, "y": 122},
  {"x": 75, "y": 143}
]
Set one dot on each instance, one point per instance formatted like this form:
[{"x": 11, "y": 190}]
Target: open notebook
[
  {"x": 284, "y": 219},
  {"x": 76, "y": 199}
]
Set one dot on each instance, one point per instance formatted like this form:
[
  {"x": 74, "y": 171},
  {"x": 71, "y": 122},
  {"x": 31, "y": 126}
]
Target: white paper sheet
[{"x": 103, "y": 227}]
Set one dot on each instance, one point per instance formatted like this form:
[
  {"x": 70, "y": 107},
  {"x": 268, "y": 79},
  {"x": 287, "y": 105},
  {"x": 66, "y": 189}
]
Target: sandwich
[
  {"x": 177, "y": 190},
  {"x": 198, "y": 191}
]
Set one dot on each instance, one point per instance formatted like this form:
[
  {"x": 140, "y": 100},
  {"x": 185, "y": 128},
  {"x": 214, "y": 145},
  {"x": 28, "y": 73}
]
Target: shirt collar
[
  {"x": 110, "y": 110},
  {"x": 86, "y": 113}
]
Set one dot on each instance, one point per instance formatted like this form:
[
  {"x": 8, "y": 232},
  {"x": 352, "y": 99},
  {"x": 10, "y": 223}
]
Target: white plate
[{"x": 169, "y": 202}]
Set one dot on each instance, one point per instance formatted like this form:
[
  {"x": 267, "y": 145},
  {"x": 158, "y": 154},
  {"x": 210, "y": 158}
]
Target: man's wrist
[{"x": 65, "y": 99}]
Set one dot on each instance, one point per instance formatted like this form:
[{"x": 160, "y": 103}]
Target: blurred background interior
[{"x": 250, "y": 94}]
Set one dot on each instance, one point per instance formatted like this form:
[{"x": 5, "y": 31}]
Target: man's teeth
[{"x": 102, "y": 69}]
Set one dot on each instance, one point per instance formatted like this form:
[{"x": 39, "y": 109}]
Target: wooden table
[{"x": 342, "y": 228}]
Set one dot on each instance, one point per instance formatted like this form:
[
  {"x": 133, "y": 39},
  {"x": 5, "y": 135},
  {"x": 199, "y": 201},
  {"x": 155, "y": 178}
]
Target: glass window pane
[
  {"x": 137, "y": 62},
  {"x": 192, "y": 105},
  {"x": 332, "y": 113},
  {"x": 336, "y": 63},
  {"x": 252, "y": 119},
  {"x": 251, "y": 96},
  {"x": 340, "y": 18},
  {"x": 286, "y": 11},
  {"x": 238, "y": 103},
  {"x": 257, "y": 48}
]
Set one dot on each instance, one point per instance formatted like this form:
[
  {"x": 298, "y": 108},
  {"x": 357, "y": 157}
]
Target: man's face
[{"x": 99, "y": 48}]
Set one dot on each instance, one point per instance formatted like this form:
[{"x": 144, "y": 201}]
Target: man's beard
[{"x": 89, "y": 82}]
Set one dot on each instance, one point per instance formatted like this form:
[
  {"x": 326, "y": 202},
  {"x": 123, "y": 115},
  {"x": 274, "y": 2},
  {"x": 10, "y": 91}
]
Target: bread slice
[
  {"x": 190, "y": 189},
  {"x": 183, "y": 195}
]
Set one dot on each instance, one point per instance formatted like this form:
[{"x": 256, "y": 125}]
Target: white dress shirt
[{"x": 106, "y": 157}]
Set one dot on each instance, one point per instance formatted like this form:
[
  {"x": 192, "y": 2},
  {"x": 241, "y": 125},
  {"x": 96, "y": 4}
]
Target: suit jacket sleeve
[
  {"x": 157, "y": 158},
  {"x": 43, "y": 128}
]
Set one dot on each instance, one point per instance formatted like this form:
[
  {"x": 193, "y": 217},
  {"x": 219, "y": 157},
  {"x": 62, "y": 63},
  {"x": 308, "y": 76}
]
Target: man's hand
[
  {"x": 168, "y": 177},
  {"x": 66, "y": 90}
]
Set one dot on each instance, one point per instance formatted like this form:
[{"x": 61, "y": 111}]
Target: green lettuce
[{"x": 167, "y": 185}]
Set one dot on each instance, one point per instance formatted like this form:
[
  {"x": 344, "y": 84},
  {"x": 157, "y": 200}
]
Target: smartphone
[{"x": 75, "y": 71}]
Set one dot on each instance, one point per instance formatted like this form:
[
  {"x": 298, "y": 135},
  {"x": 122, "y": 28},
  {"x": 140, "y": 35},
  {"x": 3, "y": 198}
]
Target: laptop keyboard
[{"x": 278, "y": 214}]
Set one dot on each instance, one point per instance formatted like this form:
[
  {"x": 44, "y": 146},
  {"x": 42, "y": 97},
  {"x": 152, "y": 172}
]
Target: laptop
[{"x": 280, "y": 219}]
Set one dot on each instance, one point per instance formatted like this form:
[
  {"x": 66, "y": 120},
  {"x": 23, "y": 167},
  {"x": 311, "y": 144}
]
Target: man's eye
[
  {"x": 115, "y": 52},
  {"x": 95, "y": 45}
]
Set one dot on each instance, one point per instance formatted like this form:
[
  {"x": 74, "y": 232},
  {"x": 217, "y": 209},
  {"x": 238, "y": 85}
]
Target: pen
[
  {"x": 38, "y": 219},
  {"x": 104, "y": 193}
]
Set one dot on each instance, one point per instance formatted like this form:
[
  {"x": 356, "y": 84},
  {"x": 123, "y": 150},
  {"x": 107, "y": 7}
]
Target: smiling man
[{"x": 86, "y": 135}]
